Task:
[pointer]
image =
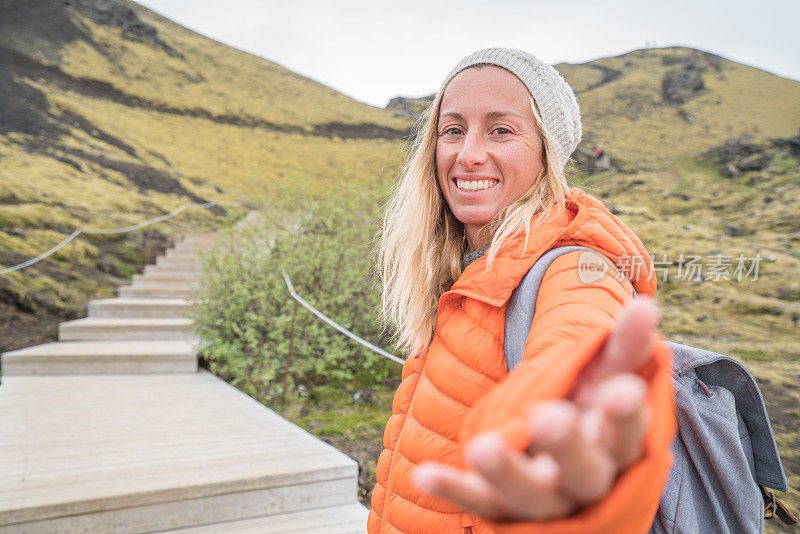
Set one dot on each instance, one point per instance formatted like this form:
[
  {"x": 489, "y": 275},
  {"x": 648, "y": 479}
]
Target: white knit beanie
[{"x": 551, "y": 92}]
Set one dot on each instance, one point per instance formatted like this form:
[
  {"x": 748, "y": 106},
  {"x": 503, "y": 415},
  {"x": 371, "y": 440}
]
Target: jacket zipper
[
  {"x": 467, "y": 523},
  {"x": 466, "y": 520}
]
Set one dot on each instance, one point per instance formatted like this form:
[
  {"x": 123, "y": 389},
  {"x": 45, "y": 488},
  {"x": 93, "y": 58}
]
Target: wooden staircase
[{"x": 113, "y": 429}]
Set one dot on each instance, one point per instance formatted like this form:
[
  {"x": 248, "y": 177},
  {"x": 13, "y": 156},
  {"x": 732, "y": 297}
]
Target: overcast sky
[{"x": 373, "y": 50}]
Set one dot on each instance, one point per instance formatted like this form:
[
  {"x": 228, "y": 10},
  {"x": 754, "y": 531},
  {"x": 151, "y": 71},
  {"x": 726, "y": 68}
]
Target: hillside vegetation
[
  {"x": 658, "y": 103},
  {"x": 112, "y": 114}
]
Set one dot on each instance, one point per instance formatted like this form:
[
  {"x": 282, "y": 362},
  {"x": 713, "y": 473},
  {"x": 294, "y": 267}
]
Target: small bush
[{"x": 244, "y": 312}]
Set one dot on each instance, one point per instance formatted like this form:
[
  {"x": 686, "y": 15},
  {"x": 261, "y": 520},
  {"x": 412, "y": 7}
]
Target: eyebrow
[{"x": 490, "y": 115}]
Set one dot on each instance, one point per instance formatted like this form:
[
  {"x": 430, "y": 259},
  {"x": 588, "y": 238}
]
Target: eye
[
  {"x": 455, "y": 130},
  {"x": 502, "y": 131}
]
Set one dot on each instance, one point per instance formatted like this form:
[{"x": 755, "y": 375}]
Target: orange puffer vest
[{"x": 459, "y": 386}]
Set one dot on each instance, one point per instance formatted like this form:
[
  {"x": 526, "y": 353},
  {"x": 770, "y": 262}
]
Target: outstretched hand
[{"x": 578, "y": 445}]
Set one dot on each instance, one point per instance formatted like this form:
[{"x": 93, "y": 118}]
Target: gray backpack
[{"x": 725, "y": 452}]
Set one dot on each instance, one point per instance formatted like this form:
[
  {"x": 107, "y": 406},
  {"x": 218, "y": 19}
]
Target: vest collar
[{"x": 585, "y": 221}]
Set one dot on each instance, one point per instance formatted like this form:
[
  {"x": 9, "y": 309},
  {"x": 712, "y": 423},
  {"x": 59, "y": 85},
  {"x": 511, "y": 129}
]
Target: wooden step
[
  {"x": 343, "y": 519},
  {"x": 189, "y": 251},
  {"x": 91, "y": 357},
  {"x": 141, "y": 307},
  {"x": 171, "y": 253},
  {"x": 173, "y": 269},
  {"x": 195, "y": 245},
  {"x": 126, "y": 329},
  {"x": 192, "y": 250},
  {"x": 145, "y": 284},
  {"x": 192, "y": 246},
  {"x": 165, "y": 279},
  {"x": 190, "y": 262},
  {"x": 158, "y": 291},
  {"x": 128, "y": 454}
]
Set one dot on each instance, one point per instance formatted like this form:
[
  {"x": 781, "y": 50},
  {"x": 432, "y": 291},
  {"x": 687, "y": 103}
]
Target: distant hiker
[
  {"x": 577, "y": 438},
  {"x": 598, "y": 152}
]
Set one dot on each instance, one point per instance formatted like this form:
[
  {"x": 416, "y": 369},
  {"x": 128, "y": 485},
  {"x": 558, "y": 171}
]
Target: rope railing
[
  {"x": 121, "y": 230},
  {"x": 337, "y": 326},
  {"x": 175, "y": 212}
]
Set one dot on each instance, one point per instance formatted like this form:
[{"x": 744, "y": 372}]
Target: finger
[
  {"x": 619, "y": 422},
  {"x": 587, "y": 470},
  {"x": 468, "y": 490},
  {"x": 525, "y": 487},
  {"x": 629, "y": 345}
]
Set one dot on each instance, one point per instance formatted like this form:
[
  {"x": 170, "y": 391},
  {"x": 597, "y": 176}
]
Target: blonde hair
[{"x": 422, "y": 242}]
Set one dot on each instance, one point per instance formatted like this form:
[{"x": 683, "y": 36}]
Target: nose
[{"x": 473, "y": 151}]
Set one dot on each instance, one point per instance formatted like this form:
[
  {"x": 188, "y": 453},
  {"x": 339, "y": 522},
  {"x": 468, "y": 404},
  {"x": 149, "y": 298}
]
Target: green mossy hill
[
  {"x": 740, "y": 197},
  {"x": 660, "y": 102},
  {"x": 112, "y": 114},
  {"x": 120, "y": 51},
  {"x": 657, "y": 103}
]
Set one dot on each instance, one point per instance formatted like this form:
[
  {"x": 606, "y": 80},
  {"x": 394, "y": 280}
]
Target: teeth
[{"x": 475, "y": 185}]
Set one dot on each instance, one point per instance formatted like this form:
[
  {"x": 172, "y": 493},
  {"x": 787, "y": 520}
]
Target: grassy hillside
[
  {"x": 112, "y": 114},
  {"x": 657, "y": 103}
]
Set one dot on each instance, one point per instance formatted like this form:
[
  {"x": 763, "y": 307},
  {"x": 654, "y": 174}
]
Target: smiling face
[{"x": 488, "y": 150}]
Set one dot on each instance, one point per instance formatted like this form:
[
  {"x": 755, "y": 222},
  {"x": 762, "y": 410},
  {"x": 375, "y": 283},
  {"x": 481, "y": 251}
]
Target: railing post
[
  {"x": 289, "y": 354},
  {"x": 72, "y": 259},
  {"x": 147, "y": 247}
]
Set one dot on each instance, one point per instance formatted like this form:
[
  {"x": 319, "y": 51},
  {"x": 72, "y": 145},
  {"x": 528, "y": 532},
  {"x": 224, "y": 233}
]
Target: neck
[{"x": 477, "y": 237}]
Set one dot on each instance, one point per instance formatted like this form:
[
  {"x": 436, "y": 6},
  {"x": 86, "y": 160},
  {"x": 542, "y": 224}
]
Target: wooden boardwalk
[{"x": 121, "y": 434}]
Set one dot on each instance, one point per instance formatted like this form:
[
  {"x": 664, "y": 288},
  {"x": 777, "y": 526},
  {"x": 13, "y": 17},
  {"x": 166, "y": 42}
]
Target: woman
[{"x": 577, "y": 438}]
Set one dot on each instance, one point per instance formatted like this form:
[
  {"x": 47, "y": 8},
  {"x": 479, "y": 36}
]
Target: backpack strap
[
  {"x": 773, "y": 507},
  {"x": 522, "y": 304}
]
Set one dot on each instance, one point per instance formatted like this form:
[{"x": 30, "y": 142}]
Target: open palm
[{"x": 578, "y": 445}]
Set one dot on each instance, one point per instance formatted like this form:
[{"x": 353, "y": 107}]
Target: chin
[{"x": 473, "y": 218}]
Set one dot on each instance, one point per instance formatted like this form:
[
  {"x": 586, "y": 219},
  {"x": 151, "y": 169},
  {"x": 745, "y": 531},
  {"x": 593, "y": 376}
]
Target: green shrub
[{"x": 244, "y": 312}]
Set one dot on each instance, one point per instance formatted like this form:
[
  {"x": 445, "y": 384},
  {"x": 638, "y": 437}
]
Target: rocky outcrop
[
  {"x": 412, "y": 108},
  {"x": 118, "y": 15},
  {"x": 685, "y": 81},
  {"x": 681, "y": 85},
  {"x": 739, "y": 155}
]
